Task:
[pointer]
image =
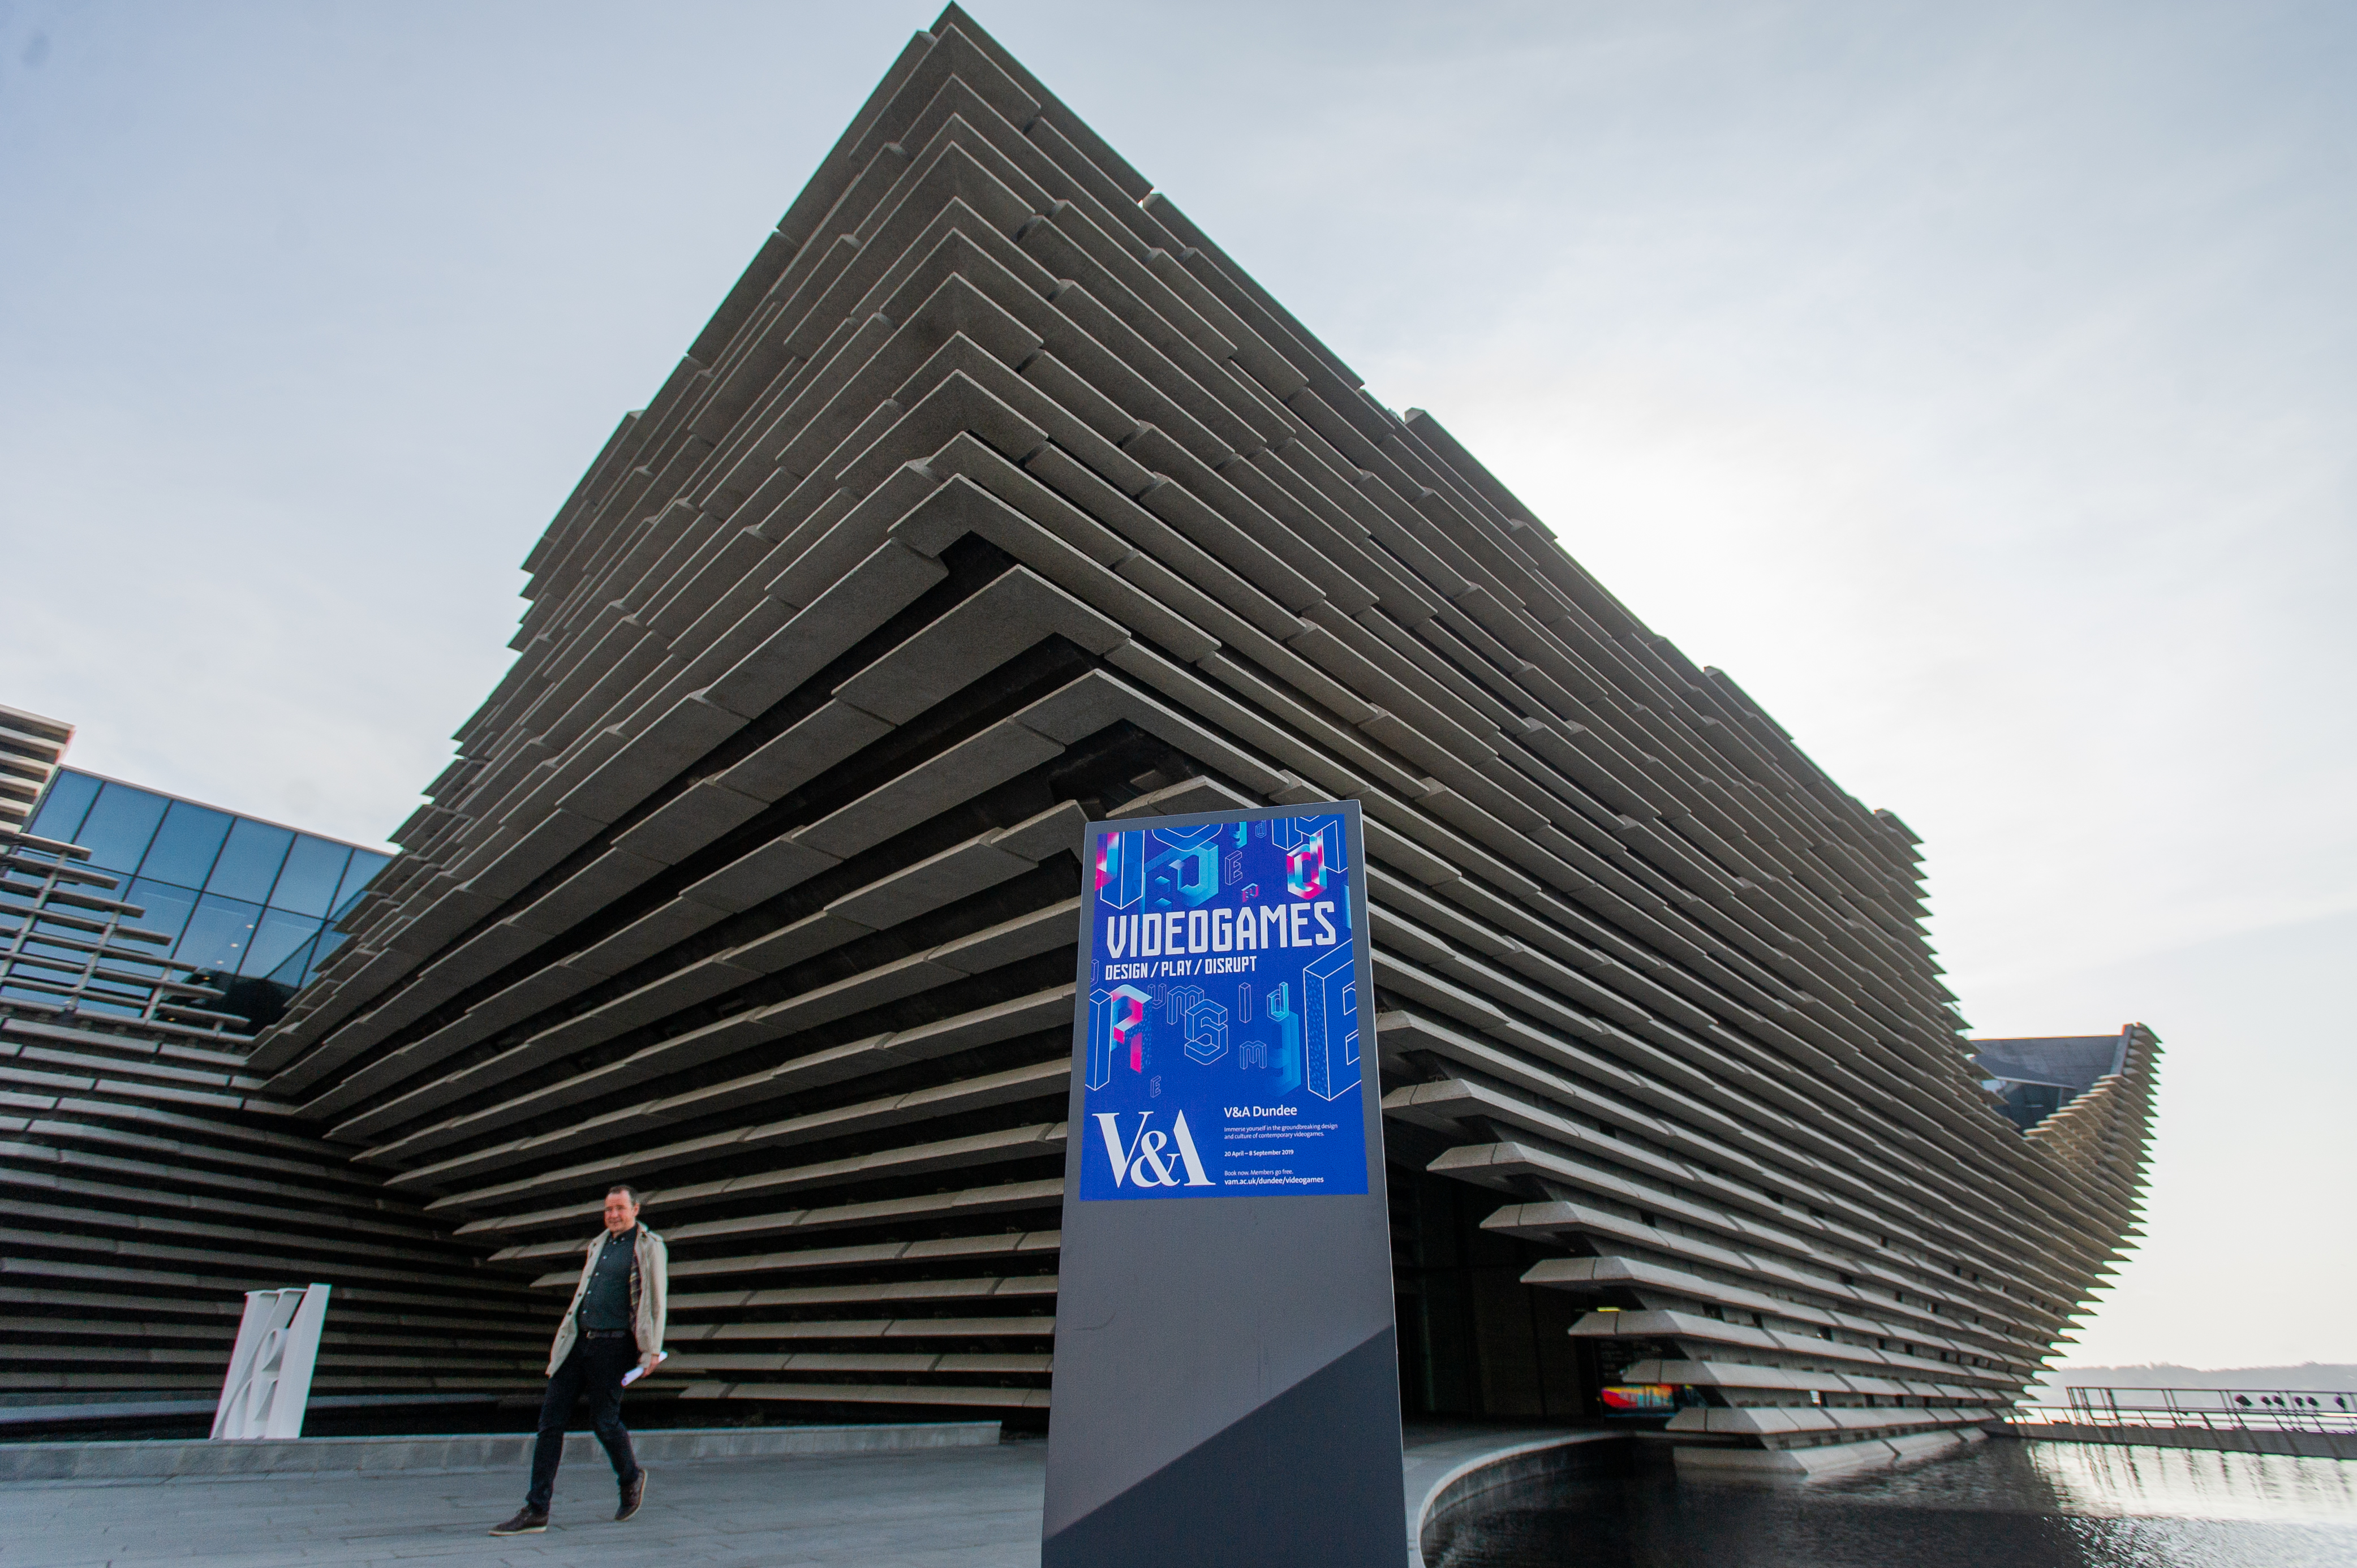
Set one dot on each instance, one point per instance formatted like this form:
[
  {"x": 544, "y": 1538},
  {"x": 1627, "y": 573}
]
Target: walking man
[{"x": 616, "y": 1322}]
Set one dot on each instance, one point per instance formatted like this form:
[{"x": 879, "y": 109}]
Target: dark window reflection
[
  {"x": 261, "y": 1003},
  {"x": 121, "y": 822},
  {"x": 186, "y": 845},
  {"x": 307, "y": 884},
  {"x": 63, "y": 808}
]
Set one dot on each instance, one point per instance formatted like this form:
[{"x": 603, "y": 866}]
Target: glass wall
[{"x": 248, "y": 903}]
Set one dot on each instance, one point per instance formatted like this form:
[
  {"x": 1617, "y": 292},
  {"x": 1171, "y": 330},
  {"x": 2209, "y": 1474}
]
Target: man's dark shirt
[{"x": 607, "y": 1302}]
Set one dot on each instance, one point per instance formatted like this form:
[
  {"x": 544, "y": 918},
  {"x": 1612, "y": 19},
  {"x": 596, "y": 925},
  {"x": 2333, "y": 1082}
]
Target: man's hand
[{"x": 647, "y": 1363}]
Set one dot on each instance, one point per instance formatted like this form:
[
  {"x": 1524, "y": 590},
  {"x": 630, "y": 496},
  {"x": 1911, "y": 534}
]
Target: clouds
[
  {"x": 1977, "y": 393},
  {"x": 1973, "y": 384}
]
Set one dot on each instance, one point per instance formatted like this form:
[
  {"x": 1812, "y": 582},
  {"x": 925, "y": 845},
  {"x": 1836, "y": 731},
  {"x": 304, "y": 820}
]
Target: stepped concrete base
[
  {"x": 1825, "y": 1461},
  {"x": 2302, "y": 1445},
  {"x": 199, "y": 1459}
]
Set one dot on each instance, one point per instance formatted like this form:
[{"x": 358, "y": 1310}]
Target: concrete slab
[
  {"x": 196, "y": 1459},
  {"x": 976, "y": 1506},
  {"x": 1824, "y": 1462}
]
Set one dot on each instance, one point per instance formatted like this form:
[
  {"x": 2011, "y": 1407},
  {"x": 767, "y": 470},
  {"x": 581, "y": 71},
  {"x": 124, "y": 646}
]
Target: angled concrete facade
[
  {"x": 993, "y": 498},
  {"x": 150, "y": 1178}
]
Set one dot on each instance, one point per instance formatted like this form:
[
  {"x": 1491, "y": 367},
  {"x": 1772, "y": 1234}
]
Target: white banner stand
[{"x": 269, "y": 1380}]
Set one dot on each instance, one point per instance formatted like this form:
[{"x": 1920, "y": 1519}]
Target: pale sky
[{"x": 1974, "y": 384}]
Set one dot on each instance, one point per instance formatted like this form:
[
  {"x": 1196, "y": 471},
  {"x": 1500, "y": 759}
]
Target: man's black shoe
[
  {"x": 527, "y": 1521},
  {"x": 634, "y": 1492}
]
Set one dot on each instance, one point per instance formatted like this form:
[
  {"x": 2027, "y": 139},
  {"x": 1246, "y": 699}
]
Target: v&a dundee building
[{"x": 995, "y": 497}]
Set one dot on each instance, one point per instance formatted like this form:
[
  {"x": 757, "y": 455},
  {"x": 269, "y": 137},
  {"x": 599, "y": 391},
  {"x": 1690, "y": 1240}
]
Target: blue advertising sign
[
  {"x": 1224, "y": 1024},
  {"x": 1227, "y": 1373}
]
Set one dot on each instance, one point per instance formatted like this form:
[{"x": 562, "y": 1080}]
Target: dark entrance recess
[{"x": 1474, "y": 1340}]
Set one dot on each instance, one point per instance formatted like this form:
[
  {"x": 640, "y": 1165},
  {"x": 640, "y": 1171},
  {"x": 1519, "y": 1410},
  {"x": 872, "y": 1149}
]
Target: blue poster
[{"x": 1223, "y": 1011}]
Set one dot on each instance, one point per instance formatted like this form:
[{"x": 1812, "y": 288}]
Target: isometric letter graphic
[
  {"x": 1186, "y": 874},
  {"x": 1117, "y": 1023},
  {"x": 1121, "y": 869},
  {"x": 1305, "y": 868},
  {"x": 1284, "y": 1057},
  {"x": 1331, "y": 1025},
  {"x": 1207, "y": 1032},
  {"x": 1291, "y": 832}
]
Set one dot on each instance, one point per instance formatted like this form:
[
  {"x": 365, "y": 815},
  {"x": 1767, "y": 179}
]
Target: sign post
[{"x": 1226, "y": 1375}]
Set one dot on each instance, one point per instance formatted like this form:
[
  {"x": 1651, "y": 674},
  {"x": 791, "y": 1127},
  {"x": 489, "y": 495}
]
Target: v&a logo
[{"x": 1150, "y": 1158}]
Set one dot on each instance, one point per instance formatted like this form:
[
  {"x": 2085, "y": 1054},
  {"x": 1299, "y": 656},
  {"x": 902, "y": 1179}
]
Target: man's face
[{"x": 620, "y": 1212}]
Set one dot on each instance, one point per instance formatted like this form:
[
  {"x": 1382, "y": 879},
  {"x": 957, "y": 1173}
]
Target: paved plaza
[
  {"x": 941, "y": 1493},
  {"x": 963, "y": 1506}
]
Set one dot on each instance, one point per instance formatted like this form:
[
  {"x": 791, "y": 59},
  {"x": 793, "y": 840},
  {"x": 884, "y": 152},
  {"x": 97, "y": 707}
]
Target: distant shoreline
[{"x": 2336, "y": 1376}]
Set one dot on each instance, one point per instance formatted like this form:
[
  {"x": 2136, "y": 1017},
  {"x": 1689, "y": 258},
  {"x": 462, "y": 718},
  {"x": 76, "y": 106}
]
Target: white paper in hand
[{"x": 635, "y": 1373}]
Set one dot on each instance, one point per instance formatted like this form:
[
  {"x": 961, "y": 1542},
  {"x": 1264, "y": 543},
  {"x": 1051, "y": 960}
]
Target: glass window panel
[
  {"x": 314, "y": 868},
  {"x": 121, "y": 822},
  {"x": 329, "y": 941},
  {"x": 90, "y": 1002},
  {"x": 186, "y": 845},
  {"x": 296, "y": 967},
  {"x": 366, "y": 863},
  {"x": 63, "y": 808},
  {"x": 275, "y": 939},
  {"x": 249, "y": 862},
  {"x": 166, "y": 909},
  {"x": 217, "y": 933}
]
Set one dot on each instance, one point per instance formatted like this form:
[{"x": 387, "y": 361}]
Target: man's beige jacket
[{"x": 650, "y": 1292}]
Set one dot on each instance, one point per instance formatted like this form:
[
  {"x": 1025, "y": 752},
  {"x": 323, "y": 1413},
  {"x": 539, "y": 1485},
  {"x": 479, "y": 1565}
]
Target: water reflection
[
  {"x": 2002, "y": 1505},
  {"x": 2103, "y": 1478}
]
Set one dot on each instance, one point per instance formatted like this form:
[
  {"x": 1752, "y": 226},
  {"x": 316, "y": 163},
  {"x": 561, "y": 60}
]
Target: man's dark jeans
[{"x": 594, "y": 1370}]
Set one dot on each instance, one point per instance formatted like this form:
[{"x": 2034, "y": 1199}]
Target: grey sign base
[
  {"x": 1309, "y": 1477},
  {"x": 1227, "y": 1375}
]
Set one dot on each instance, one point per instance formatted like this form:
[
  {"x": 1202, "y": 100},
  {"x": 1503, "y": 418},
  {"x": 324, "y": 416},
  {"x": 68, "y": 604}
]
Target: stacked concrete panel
[
  {"x": 30, "y": 747},
  {"x": 995, "y": 497},
  {"x": 150, "y": 1179}
]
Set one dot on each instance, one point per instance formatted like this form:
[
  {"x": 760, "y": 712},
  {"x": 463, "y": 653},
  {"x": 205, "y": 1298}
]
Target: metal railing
[{"x": 2216, "y": 1409}]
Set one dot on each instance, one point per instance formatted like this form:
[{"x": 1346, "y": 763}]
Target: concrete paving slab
[
  {"x": 977, "y": 1506},
  {"x": 196, "y": 1459}
]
